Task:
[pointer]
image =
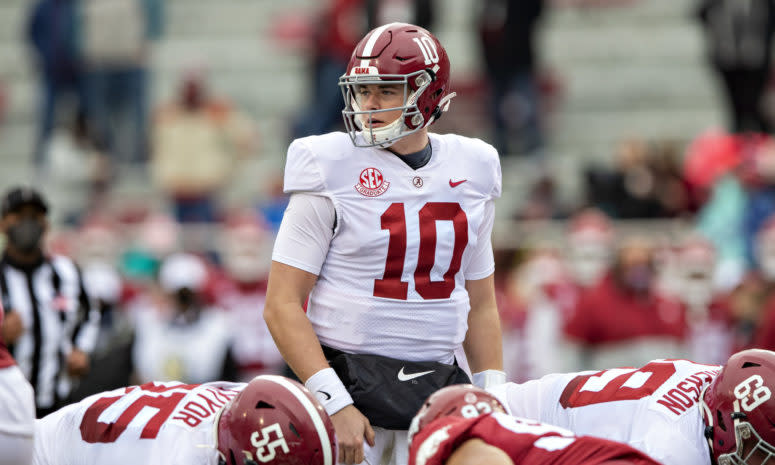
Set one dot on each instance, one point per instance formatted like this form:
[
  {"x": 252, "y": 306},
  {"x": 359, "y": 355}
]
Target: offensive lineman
[
  {"x": 388, "y": 234},
  {"x": 465, "y": 425},
  {"x": 678, "y": 412},
  {"x": 270, "y": 420}
]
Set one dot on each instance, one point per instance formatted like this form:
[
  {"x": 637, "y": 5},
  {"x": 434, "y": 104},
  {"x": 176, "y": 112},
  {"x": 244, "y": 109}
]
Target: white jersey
[
  {"x": 156, "y": 423},
  {"x": 192, "y": 352},
  {"x": 17, "y": 403},
  {"x": 654, "y": 408},
  {"x": 405, "y": 242}
]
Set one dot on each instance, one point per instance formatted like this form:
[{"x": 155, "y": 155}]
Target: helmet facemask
[
  {"x": 763, "y": 451},
  {"x": 410, "y": 121}
]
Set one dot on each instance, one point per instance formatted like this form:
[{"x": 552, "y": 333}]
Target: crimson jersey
[{"x": 526, "y": 442}]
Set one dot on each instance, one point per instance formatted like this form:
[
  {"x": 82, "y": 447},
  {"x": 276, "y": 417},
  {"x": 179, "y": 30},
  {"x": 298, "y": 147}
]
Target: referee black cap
[{"x": 17, "y": 197}]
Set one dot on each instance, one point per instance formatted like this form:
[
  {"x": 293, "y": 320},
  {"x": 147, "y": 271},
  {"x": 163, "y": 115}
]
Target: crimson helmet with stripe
[
  {"x": 739, "y": 411},
  {"x": 457, "y": 400},
  {"x": 277, "y": 421},
  {"x": 398, "y": 53}
]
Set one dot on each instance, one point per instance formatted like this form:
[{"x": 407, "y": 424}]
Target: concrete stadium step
[
  {"x": 656, "y": 86},
  {"x": 580, "y": 129}
]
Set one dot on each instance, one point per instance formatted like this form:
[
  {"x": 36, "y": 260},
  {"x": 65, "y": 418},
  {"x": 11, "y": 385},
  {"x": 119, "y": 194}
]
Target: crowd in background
[{"x": 597, "y": 296}]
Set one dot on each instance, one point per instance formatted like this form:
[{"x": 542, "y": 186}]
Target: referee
[{"x": 50, "y": 323}]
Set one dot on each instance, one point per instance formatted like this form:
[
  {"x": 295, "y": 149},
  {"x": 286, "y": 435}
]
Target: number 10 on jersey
[{"x": 394, "y": 220}]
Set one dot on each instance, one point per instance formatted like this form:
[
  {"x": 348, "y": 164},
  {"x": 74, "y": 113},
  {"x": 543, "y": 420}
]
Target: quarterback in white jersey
[
  {"x": 387, "y": 240},
  {"x": 676, "y": 411},
  {"x": 272, "y": 420}
]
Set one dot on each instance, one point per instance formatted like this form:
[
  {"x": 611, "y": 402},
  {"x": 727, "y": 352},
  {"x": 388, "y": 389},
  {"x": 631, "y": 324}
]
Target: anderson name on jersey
[
  {"x": 166, "y": 423},
  {"x": 654, "y": 408},
  {"x": 413, "y": 236},
  {"x": 527, "y": 442}
]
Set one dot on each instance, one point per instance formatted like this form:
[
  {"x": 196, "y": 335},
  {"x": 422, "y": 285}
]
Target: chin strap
[{"x": 441, "y": 108}]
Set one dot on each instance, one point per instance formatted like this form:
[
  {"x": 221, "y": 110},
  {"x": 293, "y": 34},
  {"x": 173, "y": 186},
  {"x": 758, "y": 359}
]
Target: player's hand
[
  {"x": 77, "y": 363},
  {"x": 351, "y": 428},
  {"x": 12, "y": 327}
]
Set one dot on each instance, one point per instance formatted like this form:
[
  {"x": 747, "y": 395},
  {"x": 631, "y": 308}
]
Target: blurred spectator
[
  {"x": 752, "y": 304},
  {"x": 646, "y": 181},
  {"x": 739, "y": 41},
  {"x": 621, "y": 321},
  {"x": 710, "y": 165},
  {"x": 272, "y": 207},
  {"x": 629, "y": 190},
  {"x": 754, "y": 299},
  {"x": 710, "y": 336},
  {"x": 507, "y": 35},
  {"x": 337, "y": 29},
  {"x": 53, "y": 32},
  {"x": 542, "y": 202},
  {"x": 50, "y": 322},
  {"x": 116, "y": 41},
  {"x": 98, "y": 241},
  {"x": 96, "y": 248},
  {"x": 512, "y": 315},
  {"x": 546, "y": 294},
  {"x": 178, "y": 336},
  {"x": 78, "y": 172},
  {"x": 112, "y": 356},
  {"x": 418, "y": 12},
  {"x": 757, "y": 174},
  {"x": 245, "y": 250},
  {"x": 155, "y": 237},
  {"x": 675, "y": 195},
  {"x": 197, "y": 142},
  {"x": 590, "y": 247}
]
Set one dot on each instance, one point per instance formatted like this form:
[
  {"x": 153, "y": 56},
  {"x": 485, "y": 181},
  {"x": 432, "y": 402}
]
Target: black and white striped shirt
[{"x": 57, "y": 316}]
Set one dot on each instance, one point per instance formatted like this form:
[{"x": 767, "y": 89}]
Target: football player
[
  {"x": 386, "y": 239},
  {"x": 676, "y": 411},
  {"x": 17, "y": 409},
  {"x": 465, "y": 425},
  {"x": 270, "y": 420}
]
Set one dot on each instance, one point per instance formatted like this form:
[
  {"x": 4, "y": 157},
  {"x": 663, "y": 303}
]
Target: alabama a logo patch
[{"x": 371, "y": 183}]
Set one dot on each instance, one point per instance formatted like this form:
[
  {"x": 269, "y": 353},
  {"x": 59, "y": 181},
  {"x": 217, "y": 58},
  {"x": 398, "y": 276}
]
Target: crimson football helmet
[
  {"x": 739, "y": 411},
  {"x": 275, "y": 420},
  {"x": 458, "y": 400},
  {"x": 396, "y": 53}
]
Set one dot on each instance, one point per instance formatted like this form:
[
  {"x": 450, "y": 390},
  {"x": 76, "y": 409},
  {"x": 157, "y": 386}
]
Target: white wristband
[
  {"x": 489, "y": 378},
  {"x": 329, "y": 390}
]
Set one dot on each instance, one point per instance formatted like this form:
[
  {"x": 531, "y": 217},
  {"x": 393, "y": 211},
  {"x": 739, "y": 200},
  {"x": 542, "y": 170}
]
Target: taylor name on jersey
[{"x": 172, "y": 420}]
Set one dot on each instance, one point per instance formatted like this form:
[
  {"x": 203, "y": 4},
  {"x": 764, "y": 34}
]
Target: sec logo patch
[{"x": 371, "y": 183}]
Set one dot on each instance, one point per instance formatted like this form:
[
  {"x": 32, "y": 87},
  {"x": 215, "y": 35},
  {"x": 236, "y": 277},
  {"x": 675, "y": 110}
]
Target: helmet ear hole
[
  {"x": 294, "y": 430},
  {"x": 750, "y": 364},
  {"x": 263, "y": 404},
  {"x": 720, "y": 419}
]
